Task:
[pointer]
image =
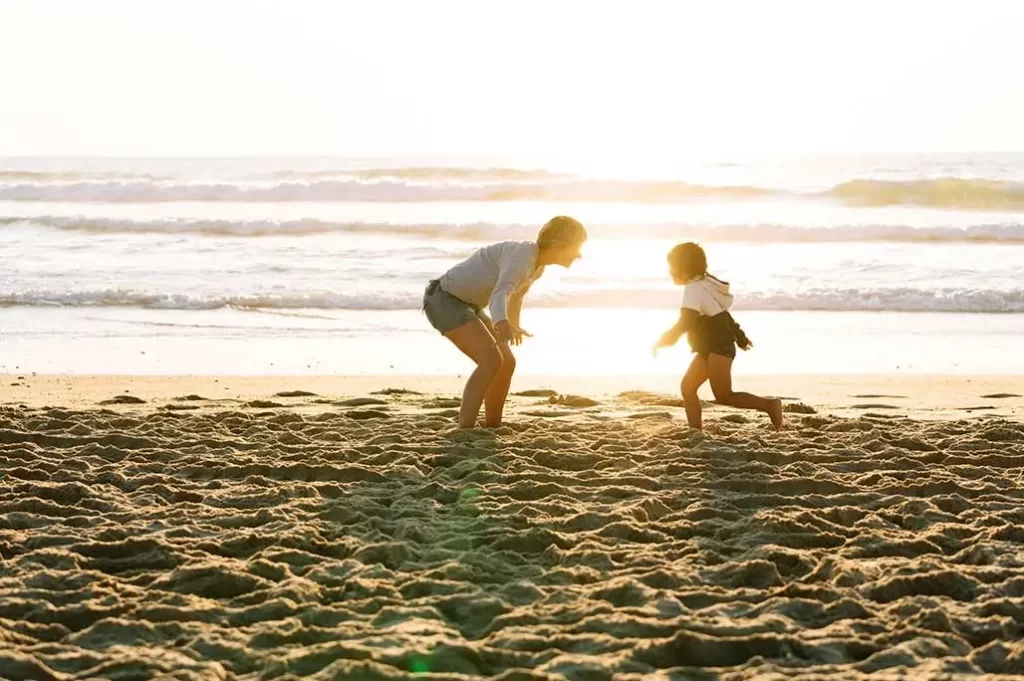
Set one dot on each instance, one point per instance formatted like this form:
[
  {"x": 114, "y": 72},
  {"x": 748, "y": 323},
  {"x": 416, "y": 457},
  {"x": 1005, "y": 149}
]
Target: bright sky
[{"x": 538, "y": 79}]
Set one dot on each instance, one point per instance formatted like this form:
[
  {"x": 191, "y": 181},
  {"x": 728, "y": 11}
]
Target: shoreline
[
  {"x": 914, "y": 396},
  {"x": 311, "y": 342}
]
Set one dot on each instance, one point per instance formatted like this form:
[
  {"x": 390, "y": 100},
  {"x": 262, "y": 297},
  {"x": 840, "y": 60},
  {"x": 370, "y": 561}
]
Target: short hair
[
  {"x": 561, "y": 230},
  {"x": 689, "y": 259}
]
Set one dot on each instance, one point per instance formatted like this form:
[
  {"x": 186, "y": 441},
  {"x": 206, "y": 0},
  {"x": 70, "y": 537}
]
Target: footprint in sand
[
  {"x": 547, "y": 413},
  {"x": 442, "y": 403},
  {"x": 263, "y": 404},
  {"x": 650, "y": 399},
  {"x": 873, "y": 406},
  {"x": 295, "y": 393},
  {"x": 573, "y": 401},
  {"x": 360, "y": 402},
  {"x": 180, "y": 407},
  {"x": 395, "y": 391},
  {"x": 999, "y": 396},
  {"x": 446, "y": 413},
  {"x": 124, "y": 399},
  {"x": 667, "y": 402},
  {"x": 536, "y": 393},
  {"x": 880, "y": 397},
  {"x": 190, "y": 398},
  {"x": 367, "y": 414},
  {"x": 654, "y": 415},
  {"x": 799, "y": 408}
]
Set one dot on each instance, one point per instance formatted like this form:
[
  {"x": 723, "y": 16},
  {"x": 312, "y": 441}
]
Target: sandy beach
[
  {"x": 337, "y": 528},
  {"x": 254, "y": 255}
]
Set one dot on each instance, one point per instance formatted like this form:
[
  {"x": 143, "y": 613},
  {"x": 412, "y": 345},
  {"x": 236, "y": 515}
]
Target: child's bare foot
[{"x": 775, "y": 413}]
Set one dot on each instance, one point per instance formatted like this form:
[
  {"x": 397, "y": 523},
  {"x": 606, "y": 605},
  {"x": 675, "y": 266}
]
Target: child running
[
  {"x": 713, "y": 334},
  {"x": 496, "y": 276}
]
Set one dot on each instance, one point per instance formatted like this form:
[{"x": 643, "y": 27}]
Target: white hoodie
[{"x": 707, "y": 296}]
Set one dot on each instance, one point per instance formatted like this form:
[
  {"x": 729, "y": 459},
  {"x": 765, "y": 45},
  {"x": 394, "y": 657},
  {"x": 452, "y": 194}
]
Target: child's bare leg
[
  {"x": 692, "y": 380},
  {"x": 720, "y": 373},
  {"x": 479, "y": 345},
  {"x": 494, "y": 400}
]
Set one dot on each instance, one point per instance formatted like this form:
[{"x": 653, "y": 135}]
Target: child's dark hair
[{"x": 689, "y": 260}]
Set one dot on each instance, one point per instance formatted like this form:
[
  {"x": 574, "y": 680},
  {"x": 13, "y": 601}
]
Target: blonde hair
[{"x": 561, "y": 231}]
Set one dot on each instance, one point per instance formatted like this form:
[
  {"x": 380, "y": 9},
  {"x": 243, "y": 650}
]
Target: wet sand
[{"x": 322, "y": 528}]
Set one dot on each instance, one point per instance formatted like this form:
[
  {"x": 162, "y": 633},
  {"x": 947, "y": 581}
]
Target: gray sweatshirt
[{"x": 496, "y": 276}]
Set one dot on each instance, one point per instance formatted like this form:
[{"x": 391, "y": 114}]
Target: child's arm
[
  {"x": 682, "y": 326},
  {"x": 742, "y": 342}
]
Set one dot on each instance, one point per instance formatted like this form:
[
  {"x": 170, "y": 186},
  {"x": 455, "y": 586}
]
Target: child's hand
[{"x": 742, "y": 342}]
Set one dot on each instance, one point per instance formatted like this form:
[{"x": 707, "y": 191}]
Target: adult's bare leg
[{"x": 477, "y": 343}]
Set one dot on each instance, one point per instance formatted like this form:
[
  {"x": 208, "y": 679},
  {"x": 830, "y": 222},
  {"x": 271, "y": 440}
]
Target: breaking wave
[
  {"x": 882, "y": 299},
  {"x": 764, "y": 233},
  {"x": 480, "y": 184},
  {"x": 384, "y": 190},
  {"x": 945, "y": 192}
]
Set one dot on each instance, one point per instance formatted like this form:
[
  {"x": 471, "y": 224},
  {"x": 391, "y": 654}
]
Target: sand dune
[{"x": 359, "y": 537}]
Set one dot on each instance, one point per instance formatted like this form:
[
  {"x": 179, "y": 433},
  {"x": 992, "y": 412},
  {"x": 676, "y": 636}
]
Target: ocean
[{"x": 841, "y": 264}]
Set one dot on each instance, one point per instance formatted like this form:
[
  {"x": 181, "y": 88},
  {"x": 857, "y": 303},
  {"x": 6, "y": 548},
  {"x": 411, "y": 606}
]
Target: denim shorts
[{"x": 446, "y": 313}]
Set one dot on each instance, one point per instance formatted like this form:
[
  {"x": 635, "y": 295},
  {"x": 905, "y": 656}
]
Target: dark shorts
[
  {"x": 446, "y": 313},
  {"x": 714, "y": 336},
  {"x": 724, "y": 349}
]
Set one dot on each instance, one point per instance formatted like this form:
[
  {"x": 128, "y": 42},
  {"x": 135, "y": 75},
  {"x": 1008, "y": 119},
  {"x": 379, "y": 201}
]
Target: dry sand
[{"x": 346, "y": 535}]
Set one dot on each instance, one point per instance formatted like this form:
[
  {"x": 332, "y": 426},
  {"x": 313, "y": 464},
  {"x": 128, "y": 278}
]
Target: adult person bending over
[{"x": 497, "y": 277}]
